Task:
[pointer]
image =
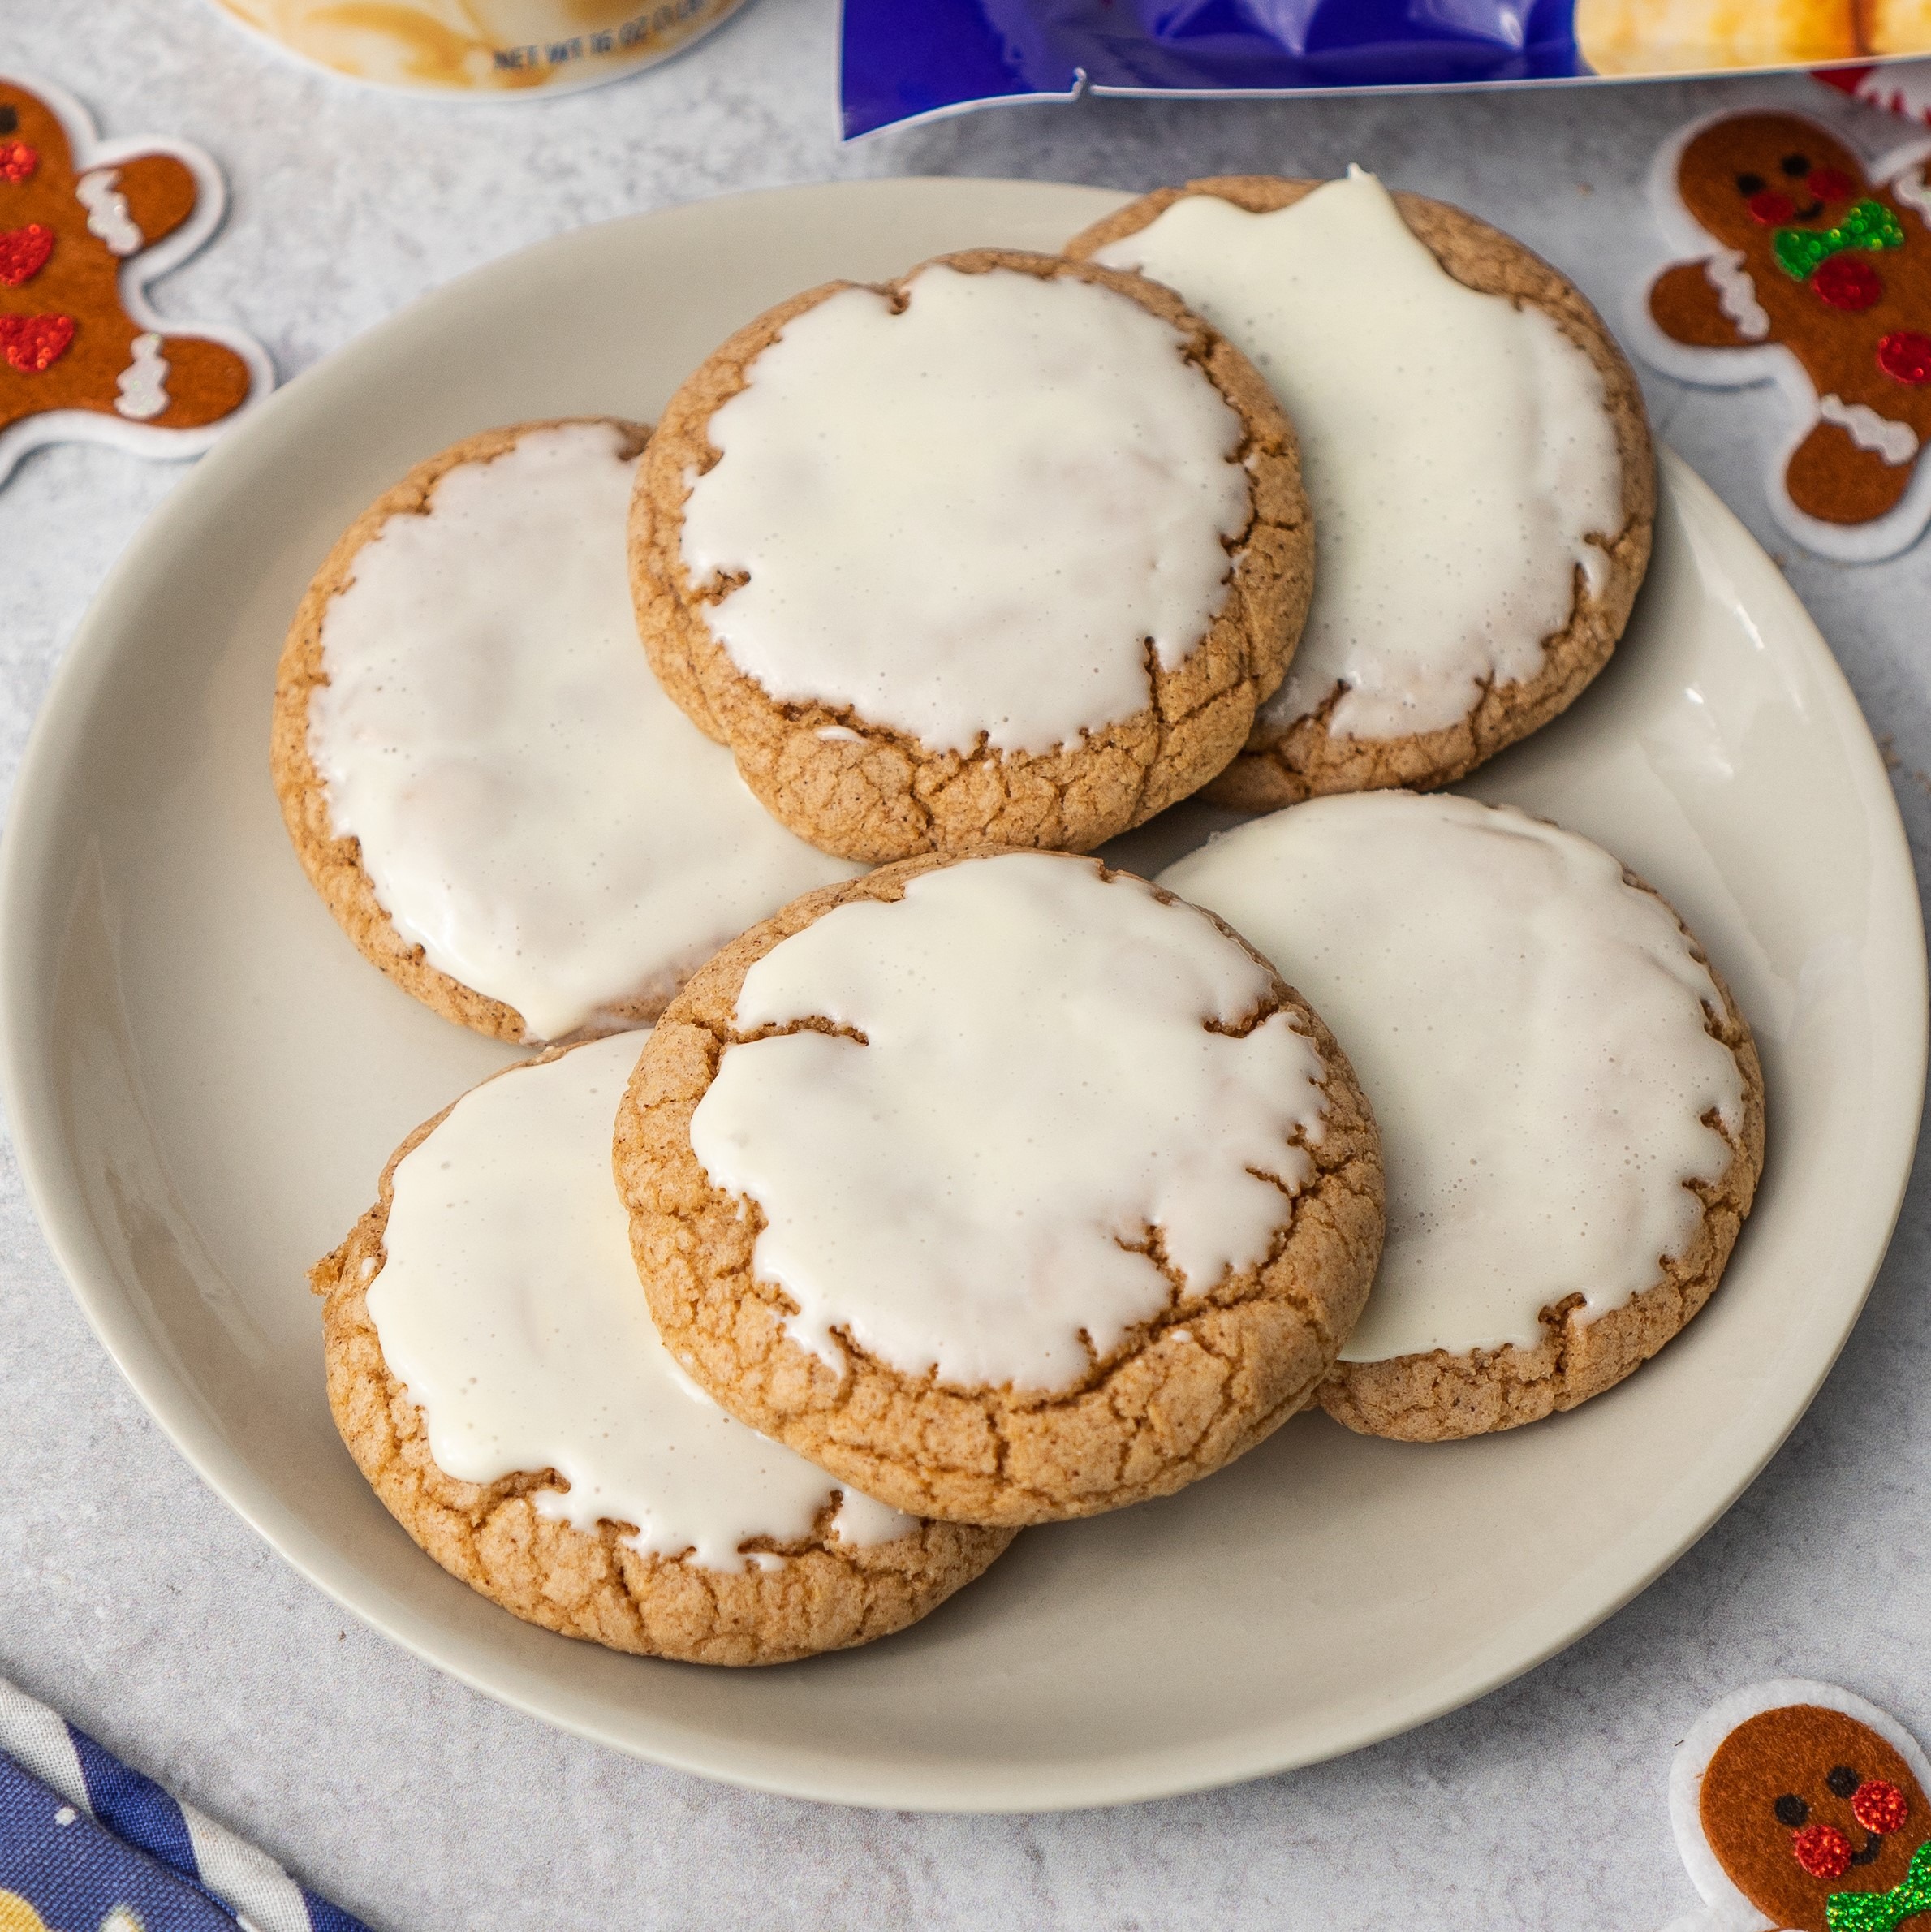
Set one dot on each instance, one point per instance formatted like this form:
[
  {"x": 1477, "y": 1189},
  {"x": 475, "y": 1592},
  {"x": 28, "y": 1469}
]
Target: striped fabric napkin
[{"x": 88, "y": 1845}]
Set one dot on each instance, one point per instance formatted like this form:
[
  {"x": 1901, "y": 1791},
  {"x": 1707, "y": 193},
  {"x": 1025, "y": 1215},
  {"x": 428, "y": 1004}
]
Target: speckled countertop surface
[{"x": 134, "y": 1601}]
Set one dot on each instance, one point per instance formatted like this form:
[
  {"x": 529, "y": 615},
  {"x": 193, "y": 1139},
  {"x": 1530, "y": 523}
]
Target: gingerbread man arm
[
  {"x": 160, "y": 192},
  {"x": 131, "y": 205},
  {"x": 1687, "y": 306}
]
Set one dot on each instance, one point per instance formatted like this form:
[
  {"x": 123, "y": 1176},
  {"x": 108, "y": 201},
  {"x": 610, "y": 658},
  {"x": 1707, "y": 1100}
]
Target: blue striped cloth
[{"x": 88, "y": 1845}]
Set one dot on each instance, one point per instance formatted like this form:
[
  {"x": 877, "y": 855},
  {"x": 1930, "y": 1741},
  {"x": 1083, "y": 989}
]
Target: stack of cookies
[{"x": 965, "y": 1182}]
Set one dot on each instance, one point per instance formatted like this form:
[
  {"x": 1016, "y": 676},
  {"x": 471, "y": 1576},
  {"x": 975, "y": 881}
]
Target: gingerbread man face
[
  {"x": 1801, "y": 1804},
  {"x": 1749, "y": 176},
  {"x": 1802, "y": 252},
  {"x": 73, "y": 336}
]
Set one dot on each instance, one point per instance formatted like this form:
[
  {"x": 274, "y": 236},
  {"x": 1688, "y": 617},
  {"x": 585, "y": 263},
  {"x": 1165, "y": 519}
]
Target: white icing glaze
[
  {"x": 1896, "y": 442},
  {"x": 1736, "y": 293},
  {"x": 964, "y": 521},
  {"x": 1457, "y": 450},
  {"x": 508, "y": 1307},
  {"x": 1529, "y": 1030},
  {"x": 107, "y": 216},
  {"x": 143, "y": 383},
  {"x": 533, "y": 811},
  {"x": 1035, "y": 1087}
]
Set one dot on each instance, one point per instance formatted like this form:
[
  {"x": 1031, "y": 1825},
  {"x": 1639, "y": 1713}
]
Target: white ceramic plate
[{"x": 204, "y": 1080}]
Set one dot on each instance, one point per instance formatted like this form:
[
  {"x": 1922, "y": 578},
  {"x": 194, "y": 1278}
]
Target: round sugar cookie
[
  {"x": 495, "y": 1372},
  {"x": 479, "y": 774},
  {"x": 1006, "y": 551},
  {"x": 1008, "y": 1188},
  {"x": 1570, "y": 1105},
  {"x": 1476, "y": 455}
]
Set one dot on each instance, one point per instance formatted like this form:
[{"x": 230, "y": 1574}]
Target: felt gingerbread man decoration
[
  {"x": 1801, "y": 1808},
  {"x": 1811, "y": 272},
  {"x": 83, "y": 227}
]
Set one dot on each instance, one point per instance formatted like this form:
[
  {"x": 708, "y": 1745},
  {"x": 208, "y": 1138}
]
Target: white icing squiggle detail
[
  {"x": 1736, "y": 294},
  {"x": 1896, "y": 442},
  {"x": 107, "y": 215},
  {"x": 1912, "y": 191},
  {"x": 143, "y": 383}
]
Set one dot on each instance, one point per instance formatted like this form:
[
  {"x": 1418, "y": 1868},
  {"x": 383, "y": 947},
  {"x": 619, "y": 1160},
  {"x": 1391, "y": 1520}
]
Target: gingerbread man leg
[
  {"x": 1834, "y": 477},
  {"x": 181, "y": 381},
  {"x": 136, "y": 203}
]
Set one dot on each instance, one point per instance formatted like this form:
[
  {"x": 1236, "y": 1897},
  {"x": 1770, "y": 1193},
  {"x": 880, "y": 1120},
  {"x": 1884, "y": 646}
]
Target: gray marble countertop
[{"x": 131, "y": 1599}]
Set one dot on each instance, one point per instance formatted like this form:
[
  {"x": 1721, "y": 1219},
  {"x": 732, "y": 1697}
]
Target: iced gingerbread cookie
[
  {"x": 482, "y": 777},
  {"x": 1475, "y": 456},
  {"x": 85, "y": 226},
  {"x": 1006, "y": 551},
  {"x": 1570, "y": 1107},
  {"x": 1808, "y": 273},
  {"x": 1801, "y": 1808},
  {"x": 495, "y": 1373},
  {"x": 1008, "y": 1188}
]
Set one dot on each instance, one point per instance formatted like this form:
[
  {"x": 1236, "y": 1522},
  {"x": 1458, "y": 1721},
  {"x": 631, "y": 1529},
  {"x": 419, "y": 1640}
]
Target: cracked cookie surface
[
  {"x": 1300, "y": 752},
  {"x": 1184, "y": 1383},
  {"x": 867, "y": 789},
  {"x": 801, "y": 1588}
]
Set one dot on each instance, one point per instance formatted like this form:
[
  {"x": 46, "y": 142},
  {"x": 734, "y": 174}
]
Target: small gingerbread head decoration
[
  {"x": 83, "y": 227},
  {"x": 1809, "y": 269},
  {"x": 1800, "y": 1807}
]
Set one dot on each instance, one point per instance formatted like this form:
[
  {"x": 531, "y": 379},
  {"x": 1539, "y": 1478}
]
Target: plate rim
[{"x": 29, "y": 877}]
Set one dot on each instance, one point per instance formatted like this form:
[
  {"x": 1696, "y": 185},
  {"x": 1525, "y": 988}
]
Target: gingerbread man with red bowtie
[
  {"x": 1811, "y": 270},
  {"x": 83, "y": 227}
]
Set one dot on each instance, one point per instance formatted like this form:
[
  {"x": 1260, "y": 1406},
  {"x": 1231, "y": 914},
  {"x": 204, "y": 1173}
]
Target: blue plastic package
[{"x": 908, "y": 59}]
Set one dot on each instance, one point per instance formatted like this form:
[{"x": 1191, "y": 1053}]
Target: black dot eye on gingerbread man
[
  {"x": 83, "y": 226},
  {"x": 1806, "y": 270}
]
